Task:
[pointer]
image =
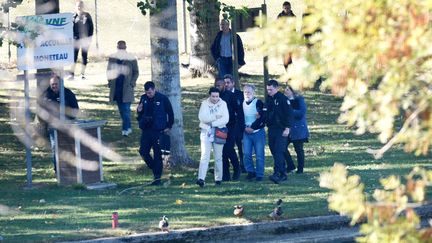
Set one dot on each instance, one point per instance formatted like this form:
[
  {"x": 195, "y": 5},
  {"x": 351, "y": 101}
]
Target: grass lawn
[{"x": 54, "y": 213}]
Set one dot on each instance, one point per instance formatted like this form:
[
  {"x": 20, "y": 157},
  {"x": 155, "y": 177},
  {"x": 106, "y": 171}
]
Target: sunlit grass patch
[{"x": 54, "y": 213}]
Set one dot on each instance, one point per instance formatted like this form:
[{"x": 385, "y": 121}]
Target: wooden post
[{"x": 265, "y": 58}]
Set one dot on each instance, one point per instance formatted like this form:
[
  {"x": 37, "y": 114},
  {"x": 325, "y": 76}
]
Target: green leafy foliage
[
  {"x": 385, "y": 220},
  {"x": 374, "y": 53},
  {"x": 152, "y": 6},
  {"x": 4, "y": 31},
  {"x": 5, "y": 6},
  {"x": 228, "y": 11}
]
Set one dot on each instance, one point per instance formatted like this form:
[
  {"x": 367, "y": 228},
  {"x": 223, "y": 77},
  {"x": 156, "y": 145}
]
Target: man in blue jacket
[{"x": 155, "y": 118}]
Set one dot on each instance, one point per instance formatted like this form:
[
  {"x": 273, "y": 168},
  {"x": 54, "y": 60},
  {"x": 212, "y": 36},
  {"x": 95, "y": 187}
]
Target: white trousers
[{"x": 206, "y": 147}]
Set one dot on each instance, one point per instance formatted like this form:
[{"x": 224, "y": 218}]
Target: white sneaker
[
  {"x": 129, "y": 131},
  {"x": 124, "y": 133}
]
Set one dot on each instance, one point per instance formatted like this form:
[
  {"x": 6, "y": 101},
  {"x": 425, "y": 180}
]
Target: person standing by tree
[
  {"x": 229, "y": 154},
  {"x": 155, "y": 118},
  {"x": 122, "y": 73},
  {"x": 239, "y": 116},
  {"x": 82, "y": 32},
  {"x": 222, "y": 50},
  {"x": 278, "y": 123},
  {"x": 286, "y": 12},
  {"x": 254, "y": 138},
  {"x": 299, "y": 133},
  {"x": 213, "y": 113}
]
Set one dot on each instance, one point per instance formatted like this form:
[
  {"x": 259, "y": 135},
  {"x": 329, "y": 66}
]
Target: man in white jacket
[{"x": 213, "y": 113}]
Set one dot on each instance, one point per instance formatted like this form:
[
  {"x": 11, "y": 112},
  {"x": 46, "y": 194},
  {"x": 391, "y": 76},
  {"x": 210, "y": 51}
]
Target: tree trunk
[
  {"x": 202, "y": 33},
  {"x": 165, "y": 72}
]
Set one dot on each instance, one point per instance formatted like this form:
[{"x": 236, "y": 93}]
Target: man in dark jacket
[
  {"x": 287, "y": 11},
  {"x": 228, "y": 153},
  {"x": 83, "y": 32},
  {"x": 222, "y": 49},
  {"x": 155, "y": 118},
  {"x": 239, "y": 116},
  {"x": 49, "y": 103},
  {"x": 278, "y": 123}
]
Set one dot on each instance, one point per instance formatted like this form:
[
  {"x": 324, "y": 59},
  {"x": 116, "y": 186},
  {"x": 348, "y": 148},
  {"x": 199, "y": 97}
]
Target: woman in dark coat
[{"x": 299, "y": 133}]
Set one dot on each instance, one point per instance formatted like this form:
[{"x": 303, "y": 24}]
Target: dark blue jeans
[
  {"x": 224, "y": 65},
  {"x": 254, "y": 142},
  {"x": 278, "y": 145},
  {"x": 125, "y": 114},
  {"x": 150, "y": 140}
]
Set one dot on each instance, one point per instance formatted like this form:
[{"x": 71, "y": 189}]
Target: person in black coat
[
  {"x": 299, "y": 133},
  {"x": 286, "y": 12},
  {"x": 239, "y": 116},
  {"x": 82, "y": 33},
  {"x": 155, "y": 119},
  {"x": 222, "y": 47},
  {"x": 228, "y": 153},
  {"x": 49, "y": 103},
  {"x": 278, "y": 123}
]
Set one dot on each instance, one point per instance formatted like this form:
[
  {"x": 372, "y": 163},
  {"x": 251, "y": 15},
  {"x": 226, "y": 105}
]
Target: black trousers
[
  {"x": 298, "y": 147},
  {"x": 278, "y": 145},
  {"x": 150, "y": 140},
  {"x": 229, "y": 155},
  {"x": 84, "y": 53},
  {"x": 239, "y": 142}
]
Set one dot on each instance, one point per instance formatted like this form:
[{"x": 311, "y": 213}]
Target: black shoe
[
  {"x": 259, "y": 179},
  {"x": 299, "y": 172},
  {"x": 242, "y": 168},
  {"x": 200, "y": 183},
  {"x": 282, "y": 178},
  {"x": 236, "y": 176},
  {"x": 156, "y": 182},
  {"x": 225, "y": 179},
  {"x": 274, "y": 178},
  {"x": 250, "y": 175},
  {"x": 218, "y": 183}
]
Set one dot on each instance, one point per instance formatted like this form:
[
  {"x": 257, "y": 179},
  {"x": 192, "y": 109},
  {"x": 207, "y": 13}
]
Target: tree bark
[
  {"x": 165, "y": 72},
  {"x": 203, "y": 30}
]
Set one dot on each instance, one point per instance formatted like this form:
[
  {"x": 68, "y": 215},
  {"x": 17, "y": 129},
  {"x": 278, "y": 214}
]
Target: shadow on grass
[{"x": 66, "y": 213}]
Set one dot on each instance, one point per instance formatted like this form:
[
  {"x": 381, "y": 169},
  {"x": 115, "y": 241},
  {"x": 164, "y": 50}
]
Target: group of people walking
[{"x": 226, "y": 117}]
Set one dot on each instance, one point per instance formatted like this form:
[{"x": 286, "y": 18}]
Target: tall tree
[
  {"x": 376, "y": 54},
  {"x": 165, "y": 71},
  {"x": 204, "y": 25}
]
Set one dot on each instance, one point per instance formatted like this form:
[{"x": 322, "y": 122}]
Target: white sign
[{"x": 54, "y": 45}]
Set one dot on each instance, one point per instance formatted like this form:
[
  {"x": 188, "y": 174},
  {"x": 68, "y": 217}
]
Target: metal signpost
[{"x": 52, "y": 48}]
